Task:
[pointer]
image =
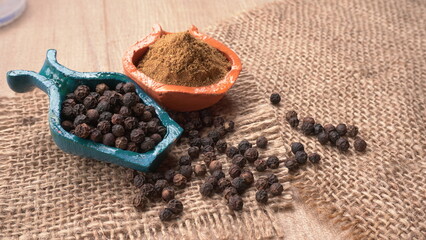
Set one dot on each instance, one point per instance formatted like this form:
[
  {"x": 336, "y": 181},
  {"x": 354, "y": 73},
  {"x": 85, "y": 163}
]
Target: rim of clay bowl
[{"x": 136, "y": 51}]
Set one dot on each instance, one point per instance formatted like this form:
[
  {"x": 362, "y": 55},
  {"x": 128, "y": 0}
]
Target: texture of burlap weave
[{"x": 358, "y": 62}]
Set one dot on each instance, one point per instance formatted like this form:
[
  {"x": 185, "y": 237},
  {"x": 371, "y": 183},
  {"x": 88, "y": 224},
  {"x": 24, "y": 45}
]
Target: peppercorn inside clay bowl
[
  {"x": 181, "y": 97},
  {"x": 63, "y": 86}
]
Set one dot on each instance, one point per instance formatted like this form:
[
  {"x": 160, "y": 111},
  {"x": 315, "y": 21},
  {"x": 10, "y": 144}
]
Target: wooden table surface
[{"x": 92, "y": 36}]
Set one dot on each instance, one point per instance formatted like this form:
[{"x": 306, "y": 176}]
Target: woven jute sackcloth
[{"x": 356, "y": 62}]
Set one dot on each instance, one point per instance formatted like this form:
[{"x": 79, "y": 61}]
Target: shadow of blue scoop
[{"x": 57, "y": 81}]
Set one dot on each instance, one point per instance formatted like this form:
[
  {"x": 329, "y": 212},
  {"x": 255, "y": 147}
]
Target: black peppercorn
[
  {"x": 95, "y": 95},
  {"x": 195, "y": 142},
  {"x": 262, "y": 183},
  {"x": 261, "y": 142},
  {"x": 132, "y": 146},
  {"x": 139, "y": 201},
  {"x": 314, "y": 157},
  {"x": 118, "y": 130},
  {"x": 167, "y": 194},
  {"x": 221, "y": 146},
  {"x": 214, "y": 135},
  {"x": 179, "y": 180},
  {"x": 175, "y": 206},
  {"x": 130, "y": 99},
  {"x": 129, "y": 87},
  {"x": 169, "y": 175},
  {"x": 105, "y": 116},
  {"x": 234, "y": 171},
  {"x": 262, "y": 196},
  {"x": 333, "y": 136},
  {"x": 260, "y": 165},
  {"x": 92, "y": 115},
  {"x": 103, "y": 106},
  {"x": 290, "y": 114},
  {"x": 301, "y": 157},
  {"x": 185, "y": 160},
  {"x": 352, "y": 131},
  {"x": 132, "y": 123},
  {"x": 276, "y": 189},
  {"x": 294, "y": 122},
  {"x": 243, "y": 146},
  {"x": 231, "y": 151},
  {"x": 275, "y": 98},
  {"x": 222, "y": 184},
  {"x": 67, "y": 112},
  {"x": 218, "y": 174},
  {"x": 186, "y": 170},
  {"x": 90, "y": 102},
  {"x": 329, "y": 128},
  {"x": 146, "y": 116},
  {"x": 207, "y": 150},
  {"x": 206, "y": 189},
  {"x": 108, "y": 139},
  {"x": 139, "y": 180},
  {"x": 235, "y": 203},
  {"x": 247, "y": 176},
  {"x": 104, "y": 127},
  {"x": 165, "y": 214},
  {"x": 323, "y": 137},
  {"x": 206, "y": 141},
  {"x": 125, "y": 111},
  {"x": 136, "y": 135},
  {"x": 251, "y": 154},
  {"x": 117, "y": 119},
  {"x": 82, "y": 130},
  {"x": 101, "y": 88},
  {"x": 81, "y": 92},
  {"x": 207, "y": 121},
  {"x": 212, "y": 180},
  {"x": 67, "y": 125},
  {"x": 218, "y": 121},
  {"x": 229, "y": 192},
  {"x": 215, "y": 165},
  {"x": 194, "y": 152},
  {"x": 308, "y": 126},
  {"x": 161, "y": 130},
  {"x": 239, "y": 160},
  {"x": 193, "y": 134},
  {"x": 119, "y": 87},
  {"x": 80, "y": 119},
  {"x": 291, "y": 163},
  {"x": 148, "y": 190},
  {"x": 70, "y": 102},
  {"x": 273, "y": 162},
  {"x": 200, "y": 170},
  {"x": 342, "y": 144},
  {"x": 272, "y": 178},
  {"x": 229, "y": 126},
  {"x": 208, "y": 157},
  {"x": 239, "y": 184},
  {"x": 360, "y": 145},
  {"x": 318, "y": 128},
  {"x": 147, "y": 145},
  {"x": 138, "y": 109},
  {"x": 121, "y": 142},
  {"x": 296, "y": 147},
  {"x": 341, "y": 129}
]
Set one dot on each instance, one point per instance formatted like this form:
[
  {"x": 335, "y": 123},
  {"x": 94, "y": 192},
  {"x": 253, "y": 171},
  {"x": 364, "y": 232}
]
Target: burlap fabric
[{"x": 359, "y": 62}]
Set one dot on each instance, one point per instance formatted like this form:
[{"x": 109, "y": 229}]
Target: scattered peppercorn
[
  {"x": 318, "y": 128},
  {"x": 229, "y": 126},
  {"x": 186, "y": 170},
  {"x": 247, "y": 176},
  {"x": 185, "y": 160},
  {"x": 323, "y": 137},
  {"x": 206, "y": 141},
  {"x": 290, "y": 114},
  {"x": 261, "y": 142},
  {"x": 239, "y": 160},
  {"x": 262, "y": 183},
  {"x": 243, "y": 146},
  {"x": 222, "y": 184},
  {"x": 239, "y": 184},
  {"x": 200, "y": 170},
  {"x": 175, "y": 206},
  {"x": 276, "y": 189},
  {"x": 273, "y": 162},
  {"x": 275, "y": 98},
  {"x": 228, "y": 192},
  {"x": 308, "y": 126},
  {"x": 301, "y": 157},
  {"x": 206, "y": 189},
  {"x": 329, "y": 128},
  {"x": 215, "y": 165},
  {"x": 341, "y": 129},
  {"x": 235, "y": 203},
  {"x": 360, "y": 145},
  {"x": 352, "y": 131},
  {"x": 294, "y": 122},
  {"x": 296, "y": 147},
  {"x": 179, "y": 180},
  {"x": 262, "y": 196},
  {"x": 221, "y": 146},
  {"x": 165, "y": 214},
  {"x": 260, "y": 165},
  {"x": 272, "y": 178},
  {"x": 291, "y": 163},
  {"x": 231, "y": 151},
  {"x": 342, "y": 144},
  {"x": 234, "y": 171},
  {"x": 314, "y": 157},
  {"x": 208, "y": 157},
  {"x": 139, "y": 201},
  {"x": 167, "y": 194},
  {"x": 148, "y": 190},
  {"x": 333, "y": 136}
]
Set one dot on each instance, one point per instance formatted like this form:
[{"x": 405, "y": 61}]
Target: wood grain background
[{"x": 93, "y": 35}]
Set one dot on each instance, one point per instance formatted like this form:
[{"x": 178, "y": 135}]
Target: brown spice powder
[{"x": 181, "y": 59}]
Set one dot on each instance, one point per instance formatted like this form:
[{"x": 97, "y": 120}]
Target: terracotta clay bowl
[{"x": 174, "y": 97}]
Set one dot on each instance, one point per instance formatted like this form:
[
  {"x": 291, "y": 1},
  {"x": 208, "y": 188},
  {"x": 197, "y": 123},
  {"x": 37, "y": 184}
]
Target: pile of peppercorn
[{"x": 116, "y": 118}]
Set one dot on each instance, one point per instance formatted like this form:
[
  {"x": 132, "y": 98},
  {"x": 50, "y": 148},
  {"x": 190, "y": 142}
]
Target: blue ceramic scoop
[{"x": 57, "y": 81}]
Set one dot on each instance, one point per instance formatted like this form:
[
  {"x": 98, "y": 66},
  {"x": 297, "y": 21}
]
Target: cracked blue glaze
[{"x": 57, "y": 81}]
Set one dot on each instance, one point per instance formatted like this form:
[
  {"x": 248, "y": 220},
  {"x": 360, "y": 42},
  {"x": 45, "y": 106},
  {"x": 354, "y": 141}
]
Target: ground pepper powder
[{"x": 181, "y": 59}]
